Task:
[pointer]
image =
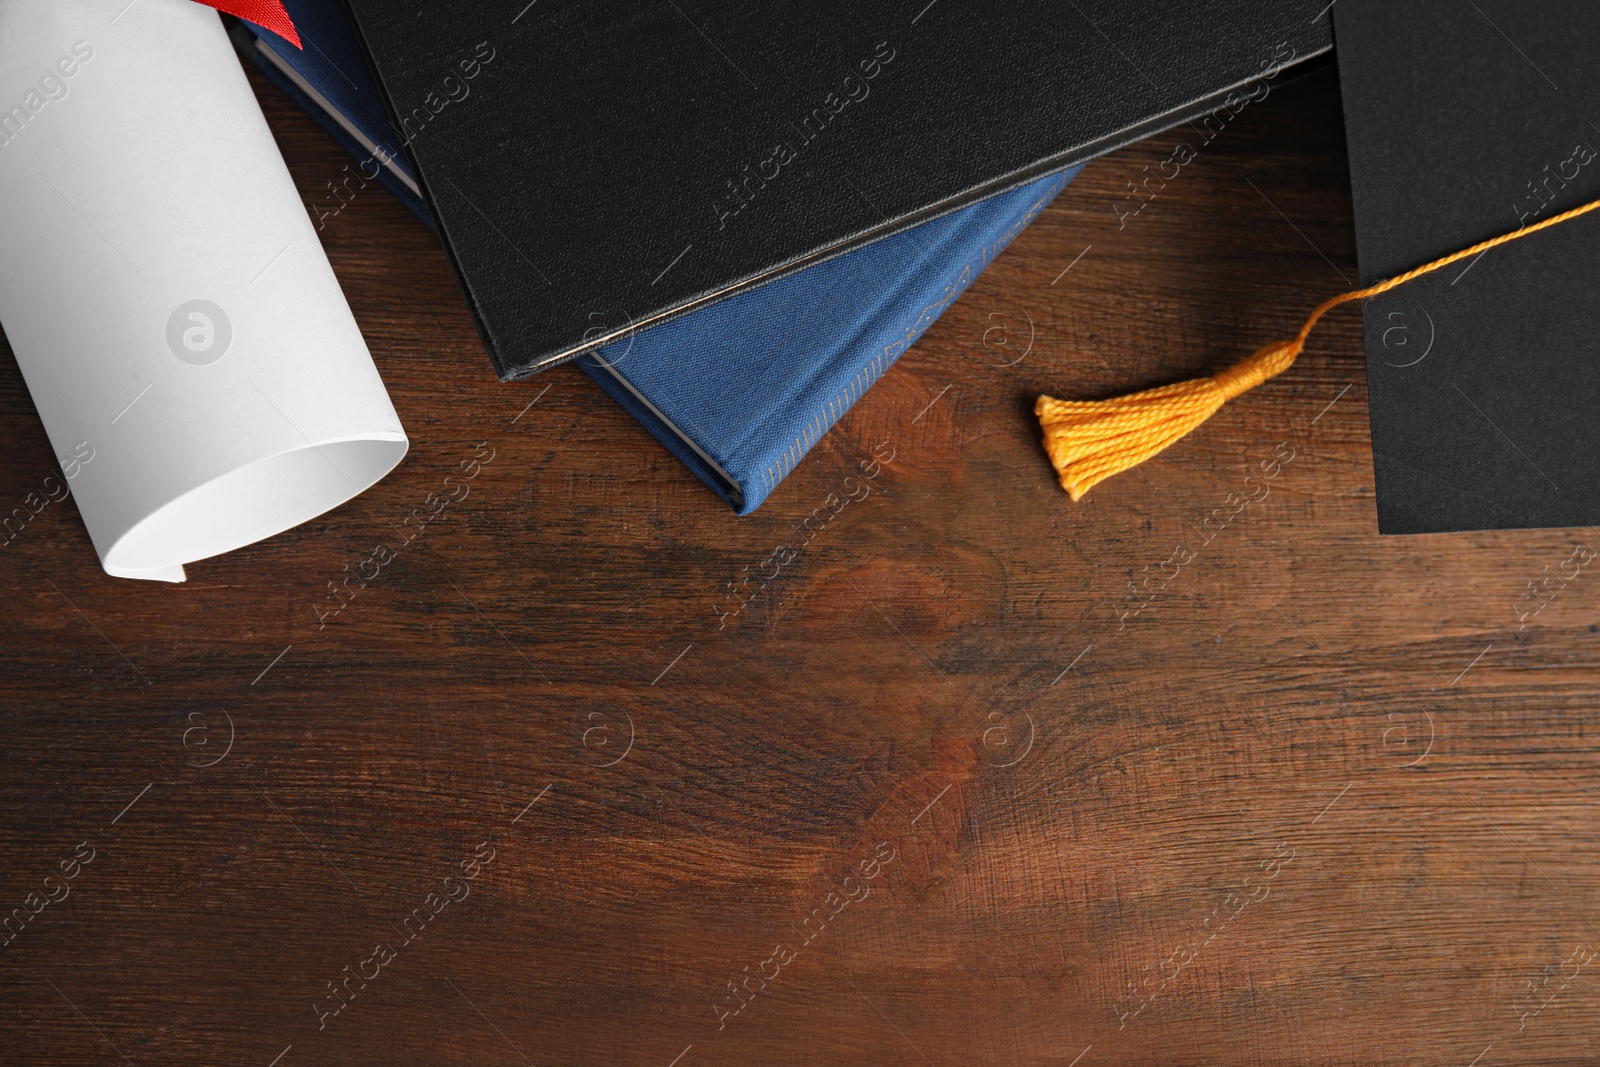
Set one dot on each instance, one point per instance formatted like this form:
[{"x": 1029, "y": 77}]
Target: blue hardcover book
[{"x": 742, "y": 389}]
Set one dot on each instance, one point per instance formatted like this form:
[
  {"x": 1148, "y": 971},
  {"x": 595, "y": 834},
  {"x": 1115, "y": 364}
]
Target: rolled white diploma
[{"x": 187, "y": 345}]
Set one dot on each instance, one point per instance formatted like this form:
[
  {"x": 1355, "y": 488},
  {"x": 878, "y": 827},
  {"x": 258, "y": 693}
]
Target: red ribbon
[{"x": 268, "y": 14}]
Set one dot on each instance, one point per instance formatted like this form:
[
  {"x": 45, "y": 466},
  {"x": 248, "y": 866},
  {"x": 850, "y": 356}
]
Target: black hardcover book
[
  {"x": 1466, "y": 121},
  {"x": 598, "y": 166}
]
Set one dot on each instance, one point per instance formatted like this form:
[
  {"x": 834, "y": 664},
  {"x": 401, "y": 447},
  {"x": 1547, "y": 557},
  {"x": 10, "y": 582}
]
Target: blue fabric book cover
[{"x": 742, "y": 389}]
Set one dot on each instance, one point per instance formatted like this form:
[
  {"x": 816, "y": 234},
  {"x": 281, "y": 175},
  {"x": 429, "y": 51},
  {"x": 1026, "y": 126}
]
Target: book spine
[{"x": 834, "y": 406}]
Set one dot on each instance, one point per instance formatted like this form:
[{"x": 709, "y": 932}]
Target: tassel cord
[{"x": 1089, "y": 441}]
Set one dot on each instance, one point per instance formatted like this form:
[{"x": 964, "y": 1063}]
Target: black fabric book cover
[
  {"x": 597, "y": 166},
  {"x": 1466, "y": 121}
]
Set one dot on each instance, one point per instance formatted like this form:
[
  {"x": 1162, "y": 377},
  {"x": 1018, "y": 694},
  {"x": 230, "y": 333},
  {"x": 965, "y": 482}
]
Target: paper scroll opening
[{"x": 254, "y": 502}]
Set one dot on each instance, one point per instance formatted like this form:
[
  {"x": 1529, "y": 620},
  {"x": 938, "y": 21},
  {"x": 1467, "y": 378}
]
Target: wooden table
[{"x": 980, "y": 777}]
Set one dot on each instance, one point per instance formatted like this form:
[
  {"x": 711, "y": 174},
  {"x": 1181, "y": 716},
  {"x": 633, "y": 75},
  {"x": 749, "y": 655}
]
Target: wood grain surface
[{"x": 1199, "y": 771}]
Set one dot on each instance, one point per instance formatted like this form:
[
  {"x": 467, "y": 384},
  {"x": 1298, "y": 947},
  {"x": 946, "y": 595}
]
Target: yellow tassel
[{"x": 1090, "y": 440}]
